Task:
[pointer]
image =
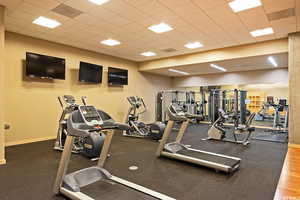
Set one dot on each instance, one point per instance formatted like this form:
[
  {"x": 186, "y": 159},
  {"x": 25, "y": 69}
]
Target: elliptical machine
[
  {"x": 137, "y": 128},
  {"x": 88, "y": 146}
]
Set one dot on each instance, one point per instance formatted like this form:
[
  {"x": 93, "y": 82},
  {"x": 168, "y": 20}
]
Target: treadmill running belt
[
  {"x": 110, "y": 190},
  {"x": 220, "y": 160}
]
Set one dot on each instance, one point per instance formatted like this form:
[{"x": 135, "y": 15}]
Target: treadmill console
[{"x": 90, "y": 115}]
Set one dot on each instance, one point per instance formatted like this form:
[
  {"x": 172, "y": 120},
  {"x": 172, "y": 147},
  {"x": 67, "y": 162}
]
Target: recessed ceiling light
[
  {"x": 193, "y": 45},
  {"x": 218, "y": 67},
  {"x": 272, "y": 61},
  {"x": 111, "y": 42},
  {"x": 261, "y": 32},
  {"x": 240, "y": 5},
  {"x": 160, "y": 28},
  {"x": 99, "y": 2},
  {"x": 178, "y": 71},
  {"x": 148, "y": 53},
  {"x": 49, "y": 23}
]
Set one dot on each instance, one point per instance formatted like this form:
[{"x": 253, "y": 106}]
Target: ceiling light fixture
[
  {"x": 178, "y": 71},
  {"x": 148, "y": 53},
  {"x": 46, "y": 22},
  {"x": 240, "y": 5},
  {"x": 261, "y": 32},
  {"x": 218, "y": 67},
  {"x": 110, "y": 42},
  {"x": 193, "y": 45},
  {"x": 160, "y": 28},
  {"x": 272, "y": 61},
  {"x": 99, "y": 2}
]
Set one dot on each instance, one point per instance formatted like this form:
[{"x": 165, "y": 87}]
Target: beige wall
[
  {"x": 32, "y": 108},
  {"x": 234, "y": 78},
  {"x": 2, "y": 88}
]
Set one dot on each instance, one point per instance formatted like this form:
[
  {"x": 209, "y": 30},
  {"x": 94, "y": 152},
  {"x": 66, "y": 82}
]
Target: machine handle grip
[{"x": 83, "y": 99}]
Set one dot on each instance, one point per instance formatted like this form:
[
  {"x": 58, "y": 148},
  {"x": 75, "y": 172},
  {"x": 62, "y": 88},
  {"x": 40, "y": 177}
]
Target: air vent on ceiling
[
  {"x": 281, "y": 14},
  {"x": 169, "y": 50},
  {"x": 67, "y": 11}
]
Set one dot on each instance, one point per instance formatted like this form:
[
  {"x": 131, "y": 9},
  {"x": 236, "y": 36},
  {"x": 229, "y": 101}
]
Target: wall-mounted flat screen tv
[
  {"x": 117, "y": 76},
  {"x": 90, "y": 73},
  {"x": 43, "y": 66}
]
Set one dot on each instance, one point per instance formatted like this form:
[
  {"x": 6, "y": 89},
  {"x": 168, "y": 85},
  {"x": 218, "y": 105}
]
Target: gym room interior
[{"x": 149, "y": 99}]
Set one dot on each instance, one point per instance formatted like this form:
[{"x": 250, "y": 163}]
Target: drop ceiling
[
  {"x": 211, "y": 22},
  {"x": 232, "y": 65}
]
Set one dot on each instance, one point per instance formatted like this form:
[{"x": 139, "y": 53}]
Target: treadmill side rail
[
  {"x": 141, "y": 188},
  {"x": 215, "y": 154},
  {"x": 172, "y": 151},
  {"x": 74, "y": 195},
  {"x": 217, "y": 166}
]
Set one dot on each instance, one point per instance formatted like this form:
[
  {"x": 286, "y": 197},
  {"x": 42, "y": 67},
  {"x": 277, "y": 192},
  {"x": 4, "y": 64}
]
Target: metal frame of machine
[
  {"x": 172, "y": 150},
  {"x": 222, "y": 108},
  {"x": 279, "y": 131},
  {"x": 179, "y": 98},
  {"x": 70, "y": 184},
  {"x": 138, "y": 128},
  {"x": 68, "y": 105}
]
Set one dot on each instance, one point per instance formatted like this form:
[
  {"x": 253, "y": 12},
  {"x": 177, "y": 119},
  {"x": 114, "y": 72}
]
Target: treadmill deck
[
  {"x": 208, "y": 157},
  {"x": 110, "y": 190}
]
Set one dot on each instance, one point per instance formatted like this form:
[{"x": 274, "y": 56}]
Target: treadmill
[
  {"x": 179, "y": 151},
  {"x": 95, "y": 182}
]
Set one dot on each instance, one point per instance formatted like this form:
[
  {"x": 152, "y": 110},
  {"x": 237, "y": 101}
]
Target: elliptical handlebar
[
  {"x": 136, "y": 103},
  {"x": 60, "y": 102},
  {"x": 144, "y": 105},
  {"x": 67, "y": 101}
]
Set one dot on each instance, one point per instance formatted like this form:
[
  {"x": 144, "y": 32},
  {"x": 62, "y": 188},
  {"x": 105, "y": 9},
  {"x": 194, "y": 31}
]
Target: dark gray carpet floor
[{"x": 31, "y": 168}]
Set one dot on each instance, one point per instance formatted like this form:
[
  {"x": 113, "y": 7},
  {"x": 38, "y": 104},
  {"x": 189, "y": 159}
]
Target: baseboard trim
[
  {"x": 2, "y": 162},
  {"x": 26, "y": 141},
  {"x": 294, "y": 145}
]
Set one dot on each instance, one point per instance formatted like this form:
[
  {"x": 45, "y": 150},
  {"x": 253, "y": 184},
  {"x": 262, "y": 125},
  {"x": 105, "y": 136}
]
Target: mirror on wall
[
  {"x": 262, "y": 99},
  {"x": 267, "y": 103}
]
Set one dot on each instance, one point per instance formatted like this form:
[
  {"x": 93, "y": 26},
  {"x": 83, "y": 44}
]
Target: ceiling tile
[
  {"x": 211, "y": 22},
  {"x": 277, "y": 5},
  {"x": 255, "y": 18},
  {"x": 209, "y": 4},
  {"x": 285, "y": 26},
  {"x": 45, "y": 4},
  {"x": 11, "y": 4}
]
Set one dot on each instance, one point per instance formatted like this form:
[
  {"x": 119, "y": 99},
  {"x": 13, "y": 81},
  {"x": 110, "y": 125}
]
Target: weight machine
[
  {"x": 232, "y": 102},
  {"x": 279, "y": 131},
  {"x": 183, "y": 101},
  {"x": 224, "y": 107}
]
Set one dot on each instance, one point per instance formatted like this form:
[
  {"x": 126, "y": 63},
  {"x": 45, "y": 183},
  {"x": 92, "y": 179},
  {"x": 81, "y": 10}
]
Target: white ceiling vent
[
  {"x": 281, "y": 14},
  {"x": 67, "y": 11}
]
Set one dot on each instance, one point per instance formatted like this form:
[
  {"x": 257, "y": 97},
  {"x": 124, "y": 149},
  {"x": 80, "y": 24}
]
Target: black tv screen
[
  {"x": 90, "y": 73},
  {"x": 117, "y": 76},
  {"x": 43, "y": 66}
]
